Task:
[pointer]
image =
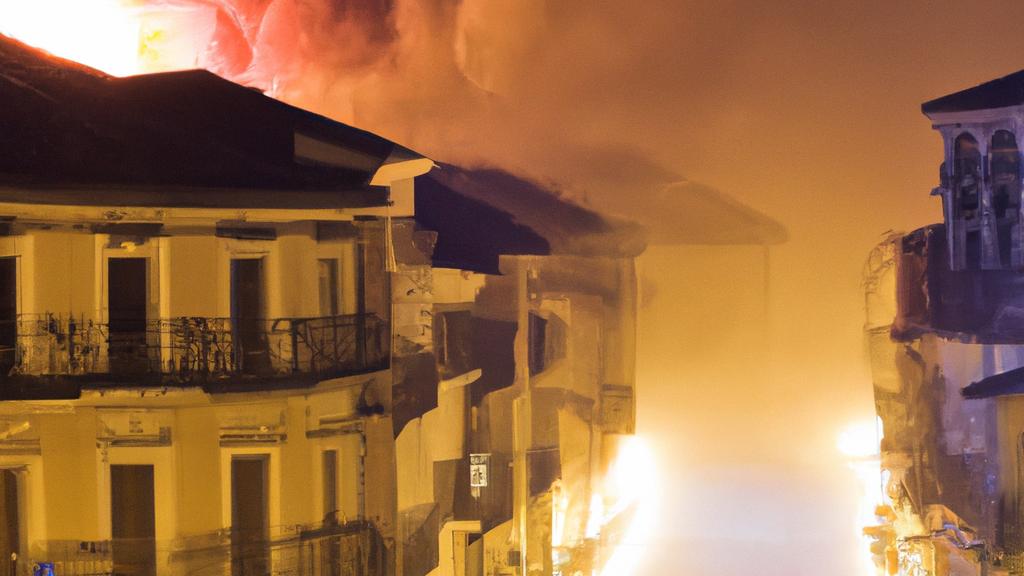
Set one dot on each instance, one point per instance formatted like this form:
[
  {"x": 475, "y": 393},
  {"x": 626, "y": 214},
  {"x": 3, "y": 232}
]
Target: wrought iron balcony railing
[
  {"x": 352, "y": 548},
  {"x": 196, "y": 350}
]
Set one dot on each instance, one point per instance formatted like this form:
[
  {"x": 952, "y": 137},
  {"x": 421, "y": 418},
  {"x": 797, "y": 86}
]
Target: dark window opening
[
  {"x": 547, "y": 341},
  {"x": 330, "y": 483},
  {"x": 966, "y": 176},
  {"x": 538, "y": 341},
  {"x": 972, "y": 247},
  {"x": 453, "y": 342},
  {"x": 1005, "y": 162},
  {"x": 1005, "y": 170}
]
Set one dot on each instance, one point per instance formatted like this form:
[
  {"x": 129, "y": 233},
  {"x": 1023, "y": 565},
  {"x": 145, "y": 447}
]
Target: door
[
  {"x": 475, "y": 555},
  {"x": 126, "y": 301},
  {"x": 467, "y": 553},
  {"x": 247, "y": 315},
  {"x": 249, "y": 521},
  {"x": 331, "y": 545},
  {"x": 10, "y": 534},
  {"x": 132, "y": 520},
  {"x": 8, "y": 314}
]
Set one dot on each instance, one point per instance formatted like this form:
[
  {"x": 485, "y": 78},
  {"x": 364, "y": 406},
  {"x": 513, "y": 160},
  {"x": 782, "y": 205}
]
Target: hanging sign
[{"x": 478, "y": 464}]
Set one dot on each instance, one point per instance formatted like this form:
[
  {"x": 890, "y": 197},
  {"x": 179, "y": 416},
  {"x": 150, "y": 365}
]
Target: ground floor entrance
[{"x": 132, "y": 519}]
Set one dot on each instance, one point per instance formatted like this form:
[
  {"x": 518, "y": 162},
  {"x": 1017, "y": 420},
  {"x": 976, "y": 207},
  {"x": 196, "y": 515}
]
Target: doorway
[
  {"x": 126, "y": 302},
  {"x": 8, "y": 314},
  {"x": 249, "y": 518},
  {"x": 132, "y": 520},
  {"x": 247, "y": 305},
  {"x": 10, "y": 527},
  {"x": 331, "y": 546},
  {"x": 467, "y": 553}
]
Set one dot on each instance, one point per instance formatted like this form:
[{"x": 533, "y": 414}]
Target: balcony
[
  {"x": 978, "y": 306},
  {"x": 218, "y": 354},
  {"x": 353, "y": 548}
]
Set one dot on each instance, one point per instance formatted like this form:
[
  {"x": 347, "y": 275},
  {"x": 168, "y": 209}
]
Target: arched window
[
  {"x": 967, "y": 176},
  {"x": 1005, "y": 164}
]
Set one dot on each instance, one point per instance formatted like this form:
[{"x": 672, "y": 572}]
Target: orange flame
[
  {"x": 631, "y": 482},
  {"x": 859, "y": 442},
  {"x": 119, "y": 37},
  {"x": 104, "y": 34}
]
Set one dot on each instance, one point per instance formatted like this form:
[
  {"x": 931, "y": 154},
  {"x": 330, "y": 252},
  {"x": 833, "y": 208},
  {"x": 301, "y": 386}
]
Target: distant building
[
  {"x": 946, "y": 328},
  {"x": 515, "y": 317},
  {"x": 240, "y": 338}
]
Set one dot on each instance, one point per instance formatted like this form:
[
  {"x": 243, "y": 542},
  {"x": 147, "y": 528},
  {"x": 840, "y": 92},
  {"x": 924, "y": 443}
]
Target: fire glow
[
  {"x": 860, "y": 444},
  {"x": 631, "y": 485},
  {"x": 103, "y": 34},
  {"x": 128, "y": 37}
]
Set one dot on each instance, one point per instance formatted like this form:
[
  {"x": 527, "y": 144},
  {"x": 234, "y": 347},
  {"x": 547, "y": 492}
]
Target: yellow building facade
[{"x": 239, "y": 338}]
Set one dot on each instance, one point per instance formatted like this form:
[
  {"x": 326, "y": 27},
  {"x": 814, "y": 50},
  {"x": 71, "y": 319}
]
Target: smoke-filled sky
[{"x": 805, "y": 111}]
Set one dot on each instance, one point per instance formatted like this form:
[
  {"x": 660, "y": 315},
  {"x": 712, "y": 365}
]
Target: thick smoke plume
[{"x": 478, "y": 83}]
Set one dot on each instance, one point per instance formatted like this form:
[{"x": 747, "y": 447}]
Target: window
[
  {"x": 547, "y": 337},
  {"x": 966, "y": 176},
  {"x": 1004, "y": 168},
  {"x": 453, "y": 342},
  {"x": 328, "y": 284},
  {"x": 538, "y": 340},
  {"x": 1005, "y": 163},
  {"x": 330, "y": 484}
]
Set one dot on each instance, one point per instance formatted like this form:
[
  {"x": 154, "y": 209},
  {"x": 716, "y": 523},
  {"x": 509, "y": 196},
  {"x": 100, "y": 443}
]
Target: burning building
[
  {"x": 947, "y": 350},
  {"x": 235, "y": 341},
  {"x": 514, "y": 378}
]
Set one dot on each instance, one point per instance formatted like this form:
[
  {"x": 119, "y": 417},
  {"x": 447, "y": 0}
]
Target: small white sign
[{"x": 478, "y": 464}]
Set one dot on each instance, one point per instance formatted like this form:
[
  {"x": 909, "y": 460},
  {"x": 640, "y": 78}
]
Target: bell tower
[{"x": 980, "y": 178}]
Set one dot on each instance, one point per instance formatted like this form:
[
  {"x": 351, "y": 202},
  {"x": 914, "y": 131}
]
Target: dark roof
[
  {"x": 1002, "y": 384},
  {"x": 998, "y": 93},
  {"x": 63, "y": 125},
  {"x": 695, "y": 214},
  {"x": 480, "y": 214}
]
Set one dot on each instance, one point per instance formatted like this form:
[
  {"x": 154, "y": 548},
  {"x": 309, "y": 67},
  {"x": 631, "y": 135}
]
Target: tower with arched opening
[{"x": 980, "y": 179}]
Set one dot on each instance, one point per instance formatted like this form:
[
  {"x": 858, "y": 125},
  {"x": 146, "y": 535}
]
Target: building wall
[
  {"x": 62, "y": 450},
  {"x": 64, "y": 271},
  {"x": 949, "y": 460},
  {"x": 67, "y": 489}
]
